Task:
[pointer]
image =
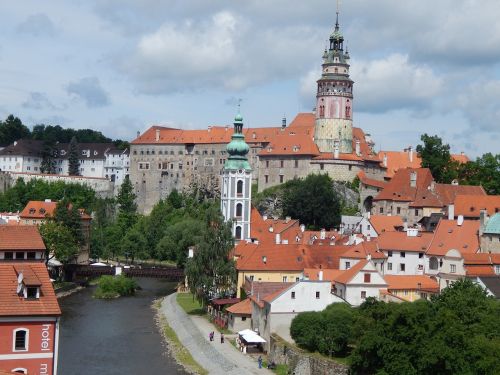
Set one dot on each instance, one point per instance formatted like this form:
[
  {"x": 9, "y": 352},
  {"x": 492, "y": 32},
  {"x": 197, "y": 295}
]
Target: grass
[
  {"x": 115, "y": 286},
  {"x": 180, "y": 353},
  {"x": 280, "y": 369},
  {"x": 190, "y": 304}
]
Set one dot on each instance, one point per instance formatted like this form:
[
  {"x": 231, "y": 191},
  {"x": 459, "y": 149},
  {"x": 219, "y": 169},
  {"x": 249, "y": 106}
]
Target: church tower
[
  {"x": 236, "y": 192},
  {"x": 334, "y": 100}
]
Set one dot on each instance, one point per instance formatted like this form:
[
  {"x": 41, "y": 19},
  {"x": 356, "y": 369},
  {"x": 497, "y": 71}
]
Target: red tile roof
[
  {"x": 21, "y": 237},
  {"x": 382, "y": 223},
  {"x": 401, "y": 159},
  {"x": 266, "y": 230},
  {"x": 349, "y": 274},
  {"x": 370, "y": 181},
  {"x": 400, "y": 241},
  {"x": 362, "y": 250},
  {"x": 449, "y": 235},
  {"x": 448, "y": 192},
  {"x": 13, "y": 305},
  {"x": 328, "y": 273},
  {"x": 471, "y": 205},
  {"x": 411, "y": 282},
  {"x": 241, "y": 308},
  {"x": 471, "y": 270},
  {"x": 38, "y": 210}
]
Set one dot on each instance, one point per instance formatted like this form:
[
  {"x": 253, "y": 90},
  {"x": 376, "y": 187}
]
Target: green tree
[
  {"x": 337, "y": 329},
  {"x": 313, "y": 201},
  {"x": 133, "y": 245},
  {"x": 48, "y": 164},
  {"x": 127, "y": 208},
  {"x": 211, "y": 272},
  {"x": 68, "y": 216},
  {"x": 436, "y": 156},
  {"x": 59, "y": 241},
  {"x": 12, "y": 129},
  {"x": 484, "y": 171},
  {"x": 305, "y": 329},
  {"x": 73, "y": 158}
]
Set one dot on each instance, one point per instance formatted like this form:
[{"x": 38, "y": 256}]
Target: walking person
[
  {"x": 222, "y": 338},
  {"x": 260, "y": 361}
]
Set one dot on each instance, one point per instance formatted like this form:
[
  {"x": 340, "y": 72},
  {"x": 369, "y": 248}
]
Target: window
[
  {"x": 238, "y": 233},
  {"x": 243, "y": 318},
  {"x": 267, "y": 163},
  {"x": 285, "y": 279},
  {"x": 367, "y": 277},
  {"x": 9, "y": 255},
  {"x": 416, "y": 211},
  {"x": 293, "y": 295},
  {"x": 20, "y": 339},
  {"x": 282, "y": 163},
  {"x": 297, "y": 279},
  {"x": 31, "y": 255},
  {"x": 239, "y": 210},
  {"x": 321, "y": 166},
  {"x": 251, "y": 277},
  {"x": 398, "y": 210},
  {"x": 389, "y": 266},
  {"x": 317, "y": 295},
  {"x": 389, "y": 253},
  {"x": 281, "y": 178},
  {"x": 239, "y": 188},
  {"x": 381, "y": 210},
  {"x": 363, "y": 294},
  {"x": 296, "y": 163},
  {"x": 143, "y": 165},
  {"x": 266, "y": 178},
  {"x": 403, "y": 254},
  {"x": 32, "y": 293},
  {"x": 347, "y": 265},
  {"x": 453, "y": 268},
  {"x": 420, "y": 255},
  {"x": 19, "y": 254},
  {"x": 433, "y": 263},
  {"x": 497, "y": 269},
  {"x": 402, "y": 267}
]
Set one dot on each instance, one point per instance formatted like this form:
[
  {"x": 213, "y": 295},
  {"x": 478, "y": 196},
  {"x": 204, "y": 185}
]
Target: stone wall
[
  {"x": 302, "y": 363},
  {"x": 5, "y": 181}
]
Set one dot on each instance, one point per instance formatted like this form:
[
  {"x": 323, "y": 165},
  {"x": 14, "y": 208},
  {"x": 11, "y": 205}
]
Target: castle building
[{"x": 236, "y": 183}]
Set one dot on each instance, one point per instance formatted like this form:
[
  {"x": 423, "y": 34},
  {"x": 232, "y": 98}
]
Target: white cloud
[
  {"x": 479, "y": 103},
  {"x": 89, "y": 90}
]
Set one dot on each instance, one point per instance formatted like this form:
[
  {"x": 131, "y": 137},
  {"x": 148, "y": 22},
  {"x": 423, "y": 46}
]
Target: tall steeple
[
  {"x": 236, "y": 183},
  {"x": 334, "y": 98}
]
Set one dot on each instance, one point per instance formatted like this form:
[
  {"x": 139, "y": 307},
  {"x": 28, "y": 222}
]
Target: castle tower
[
  {"x": 236, "y": 192},
  {"x": 334, "y": 100}
]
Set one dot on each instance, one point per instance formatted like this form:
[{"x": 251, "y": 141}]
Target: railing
[{"x": 172, "y": 274}]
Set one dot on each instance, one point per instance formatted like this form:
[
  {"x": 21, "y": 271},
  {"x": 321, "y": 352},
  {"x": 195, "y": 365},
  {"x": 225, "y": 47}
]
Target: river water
[{"x": 116, "y": 336}]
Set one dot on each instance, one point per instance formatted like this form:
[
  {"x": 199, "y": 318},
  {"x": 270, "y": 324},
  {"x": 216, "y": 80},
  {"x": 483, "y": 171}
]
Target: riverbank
[
  {"x": 192, "y": 332},
  {"x": 67, "y": 290}
]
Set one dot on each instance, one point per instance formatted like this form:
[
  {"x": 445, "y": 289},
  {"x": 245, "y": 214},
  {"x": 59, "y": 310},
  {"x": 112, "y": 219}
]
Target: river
[{"x": 117, "y": 336}]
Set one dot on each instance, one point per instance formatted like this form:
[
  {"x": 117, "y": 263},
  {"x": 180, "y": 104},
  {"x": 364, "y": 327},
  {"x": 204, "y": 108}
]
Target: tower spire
[{"x": 337, "y": 20}]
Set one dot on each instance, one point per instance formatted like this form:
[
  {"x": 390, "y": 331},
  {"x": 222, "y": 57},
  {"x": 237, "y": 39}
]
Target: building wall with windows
[{"x": 404, "y": 262}]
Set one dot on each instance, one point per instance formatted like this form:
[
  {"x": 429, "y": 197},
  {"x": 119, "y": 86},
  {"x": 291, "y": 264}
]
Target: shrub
[{"x": 115, "y": 286}]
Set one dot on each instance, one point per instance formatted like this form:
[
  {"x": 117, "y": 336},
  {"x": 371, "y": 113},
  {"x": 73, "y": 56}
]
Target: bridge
[{"x": 168, "y": 273}]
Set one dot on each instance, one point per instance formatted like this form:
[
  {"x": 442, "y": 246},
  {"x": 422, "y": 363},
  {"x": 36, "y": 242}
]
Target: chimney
[
  {"x": 483, "y": 219},
  {"x": 287, "y": 219},
  {"x": 320, "y": 275},
  {"x": 264, "y": 259},
  {"x": 368, "y": 238},
  {"x": 264, "y": 217},
  {"x": 138, "y": 133},
  {"x": 209, "y": 128},
  {"x": 451, "y": 212},
  {"x": 336, "y": 151},
  {"x": 157, "y": 137},
  {"x": 358, "y": 148},
  {"x": 283, "y": 122},
  {"x": 384, "y": 162},
  {"x": 302, "y": 228},
  {"x": 322, "y": 234},
  {"x": 413, "y": 179},
  {"x": 410, "y": 154},
  {"x": 460, "y": 220},
  {"x": 278, "y": 238}
]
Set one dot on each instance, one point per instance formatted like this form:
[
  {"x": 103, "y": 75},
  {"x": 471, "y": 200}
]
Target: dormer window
[
  {"x": 32, "y": 292},
  {"x": 42, "y": 211},
  {"x": 32, "y": 211}
]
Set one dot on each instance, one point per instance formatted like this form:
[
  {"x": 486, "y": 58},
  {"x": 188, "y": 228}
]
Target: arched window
[
  {"x": 239, "y": 210},
  {"x": 20, "y": 340},
  {"x": 238, "y": 233},
  {"x": 239, "y": 188},
  {"x": 321, "y": 111},
  {"x": 348, "y": 111},
  {"x": 336, "y": 70}
]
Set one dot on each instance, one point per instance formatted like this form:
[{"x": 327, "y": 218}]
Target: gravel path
[{"x": 215, "y": 357}]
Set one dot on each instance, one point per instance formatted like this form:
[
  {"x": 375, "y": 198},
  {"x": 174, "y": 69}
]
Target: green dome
[
  {"x": 237, "y": 149},
  {"x": 493, "y": 225},
  {"x": 237, "y": 146},
  {"x": 336, "y": 35},
  {"x": 238, "y": 118}
]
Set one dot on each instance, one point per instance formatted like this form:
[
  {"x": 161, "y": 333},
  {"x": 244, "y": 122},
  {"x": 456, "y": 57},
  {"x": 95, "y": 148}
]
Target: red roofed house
[
  {"x": 36, "y": 212},
  {"x": 359, "y": 282},
  {"x": 21, "y": 242},
  {"x": 470, "y": 206},
  {"x": 29, "y": 319},
  {"x": 274, "y": 313},
  {"x": 411, "y": 287},
  {"x": 239, "y": 316}
]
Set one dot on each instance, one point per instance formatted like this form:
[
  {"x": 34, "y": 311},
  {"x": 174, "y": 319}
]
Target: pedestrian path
[{"x": 215, "y": 357}]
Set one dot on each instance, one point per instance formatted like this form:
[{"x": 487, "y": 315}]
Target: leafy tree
[
  {"x": 133, "y": 245},
  {"x": 12, "y": 129},
  {"x": 313, "y": 201},
  {"x": 436, "y": 156},
  {"x": 48, "y": 164},
  {"x": 59, "y": 241},
  {"x": 305, "y": 329},
  {"x": 127, "y": 208},
  {"x": 484, "y": 171},
  {"x": 211, "y": 272},
  {"x": 336, "y": 331},
  {"x": 68, "y": 216},
  {"x": 73, "y": 158}
]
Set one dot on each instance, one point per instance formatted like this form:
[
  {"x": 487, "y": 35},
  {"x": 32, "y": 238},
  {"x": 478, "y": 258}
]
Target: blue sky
[{"x": 120, "y": 66}]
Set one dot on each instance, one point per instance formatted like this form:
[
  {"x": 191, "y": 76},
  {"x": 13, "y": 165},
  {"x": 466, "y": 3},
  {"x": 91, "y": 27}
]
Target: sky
[{"x": 120, "y": 66}]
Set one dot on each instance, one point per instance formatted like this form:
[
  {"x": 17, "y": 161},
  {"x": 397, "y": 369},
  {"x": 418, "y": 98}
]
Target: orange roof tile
[
  {"x": 370, "y": 181},
  {"x": 449, "y": 235},
  {"x": 328, "y": 273},
  {"x": 241, "y": 308},
  {"x": 411, "y": 282},
  {"x": 349, "y": 274},
  {"x": 471, "y": 205},
  {"x": 13, "y": 305},
  {"x": 448, "y": 192},
  {"x": 477, "y": 258},
  {"x": 383, "y": 223},
  {"x": 401, "y": 159},
  {"x": 472, "y": 270},
  {"x": 266, "y": 230},
  {"x": 362, "y": 250},
  {"x": 21, "y": 237},
  {"x": 402, "y": 242},
  {"x": 38, "y": 210}
]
